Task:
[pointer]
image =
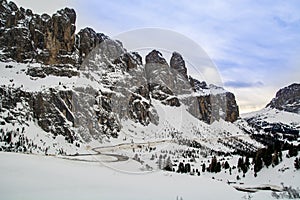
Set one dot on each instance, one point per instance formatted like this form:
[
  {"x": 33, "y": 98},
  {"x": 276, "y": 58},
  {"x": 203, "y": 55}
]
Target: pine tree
[
  {"x": 136, "y": 157},
  {"x": 169, "y": 164},
  {"x": 247, "y": 162},
  {"x": 240, "y": 163},
  {"x": 180, "y": 168},
  {"x": 267, "y": 158},
  {"x": 226, "y": 165},
  {"x": 203, "y": 167},
  {"x": 258, "y": 164},
  {"x": 152, "y": 157},
  {"x": 187, "y": 168},
  {"x": 244, "y": 169},
  {"x": 160, "y": 162},
  {"x": 293, "y": 151},
  {"x": 275, "y": 159},
  {"x": 297, "y": 163},
  {"x": 280, "y": 155},
  {"x": 218, "y": 167},
  {"x": 213, "y": 164}
]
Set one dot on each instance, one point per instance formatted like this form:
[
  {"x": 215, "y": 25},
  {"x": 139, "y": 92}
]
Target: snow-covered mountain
[
  {"x": 280, "y": 119},
  {"x": 85, "y": 87},
  {"x": 287, "y": 99},
  {"x": 62, "y": 91},
  {"x": 82, "y": 96}
]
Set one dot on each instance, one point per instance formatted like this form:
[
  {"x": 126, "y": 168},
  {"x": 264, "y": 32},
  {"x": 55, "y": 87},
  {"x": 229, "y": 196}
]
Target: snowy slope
[
  {"x": 176, "y": 123},
  {"x": 272, "y": 115},
  {"x": 110, "y": 125},
  {"x": 14, "y": 74},
  {"x": 52, "y": 178},
  {"x": 275, "y": 124}
]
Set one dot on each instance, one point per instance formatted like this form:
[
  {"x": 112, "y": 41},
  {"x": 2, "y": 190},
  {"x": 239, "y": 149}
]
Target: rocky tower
[
  {"x": 51, "y": 40},
  {"x": 29, "y": 36},
  {"x": 178, "y": 64},
  {"x": 168, "y": 83}
]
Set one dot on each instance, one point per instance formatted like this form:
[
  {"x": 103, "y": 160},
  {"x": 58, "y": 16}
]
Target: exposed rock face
[
  {"x": 55, "y": 70},
  {"x": 53, "y": 109},
  {"x": 14, "y": 41},
  {"x": 101, "y": 120},
  {"x": 197, "y": 85},
  {"x": 156, "y": 58},
  {"x": 212, "y": 106},
  {"x": 232, "y": 109},
  {"x": 287, "y": 99},
  {"x": 55, "y": 36},
  {"x": 178, "y": 64},
  {"x": 160, "y": 78},
  {"x": 86, "y": 41},
  {"x": 167, "y": 82},
  {"x": 116, "y": 85},
  {"x": 28, "y": 36},
  {"x": 65, "y": 112},
  {"x": 123, "y": 75},
  {"x": 129, "y": 61}
]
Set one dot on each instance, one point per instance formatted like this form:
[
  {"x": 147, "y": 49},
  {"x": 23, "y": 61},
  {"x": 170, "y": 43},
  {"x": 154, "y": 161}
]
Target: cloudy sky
[{"x": 255, "y": 45}]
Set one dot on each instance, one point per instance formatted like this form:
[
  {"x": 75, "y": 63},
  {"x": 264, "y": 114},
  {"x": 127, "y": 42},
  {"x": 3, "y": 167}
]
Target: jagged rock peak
[
  {"x": 8, "y": 6},
  {"x": 197, "y": 85},
  {"x": 155, "y": 57},
  {"x": 178, "y": 63},
  {"x": 129, "y": 60},
  {"x": 287, "y": 99},
  {"x": 87, "y": 39},
  {"x": 28, "y": 37},
  {"x": 69, "y": 14}
]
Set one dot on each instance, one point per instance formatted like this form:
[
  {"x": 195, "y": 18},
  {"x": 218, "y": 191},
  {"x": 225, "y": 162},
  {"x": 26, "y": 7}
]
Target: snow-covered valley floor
[{"x": 26, "y": 176}]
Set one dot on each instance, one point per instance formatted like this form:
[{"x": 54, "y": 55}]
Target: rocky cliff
[
  {"x": 171, "y": 85},
  {"x": 51, "y": 40},
  {"x": 42, "y": 38},
  {"x": 86, "y": 84},
  {"x": 287, "y": 99}
]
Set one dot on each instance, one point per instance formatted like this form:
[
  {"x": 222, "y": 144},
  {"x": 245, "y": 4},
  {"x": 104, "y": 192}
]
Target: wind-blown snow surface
[{"x": 40, "y": 177}]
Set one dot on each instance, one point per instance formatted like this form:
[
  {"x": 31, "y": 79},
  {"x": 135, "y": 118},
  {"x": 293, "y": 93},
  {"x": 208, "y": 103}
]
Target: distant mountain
[
  {"x": 281, "y": 117},
  {"x": 287, "y": 99}
]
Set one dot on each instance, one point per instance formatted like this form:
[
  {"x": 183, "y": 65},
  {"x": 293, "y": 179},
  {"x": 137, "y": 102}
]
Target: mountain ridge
[
  {"x": 86, "y": 87},
  {"x": 89, "y": 108}
]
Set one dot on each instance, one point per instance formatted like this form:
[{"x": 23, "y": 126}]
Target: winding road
[{"x": 101, "y": 150}]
